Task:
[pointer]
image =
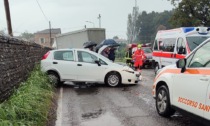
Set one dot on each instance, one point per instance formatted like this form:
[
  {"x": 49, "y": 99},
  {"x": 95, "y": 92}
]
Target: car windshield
[
  {"x": 194, "y": 41},
  {"x": 147, "y": 50}
]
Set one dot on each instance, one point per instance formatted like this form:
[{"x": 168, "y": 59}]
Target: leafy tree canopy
[
  {"x": 27, "y": 35},
  {"x": 115, "y": 37},
  {"x": 191, "y": 13}
]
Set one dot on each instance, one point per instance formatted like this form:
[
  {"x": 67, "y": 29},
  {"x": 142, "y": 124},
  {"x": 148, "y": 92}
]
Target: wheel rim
[
  {"x": 113, "y": 80},
  {"x": 161, "y": 101},
  {"x": 53, "y": 79}
]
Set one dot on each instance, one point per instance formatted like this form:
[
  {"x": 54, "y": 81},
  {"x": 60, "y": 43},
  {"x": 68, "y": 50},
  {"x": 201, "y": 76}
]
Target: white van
[{"x": 171, "y": 45}]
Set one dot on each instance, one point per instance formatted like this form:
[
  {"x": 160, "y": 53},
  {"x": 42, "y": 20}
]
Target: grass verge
[{"x": 30, "y": 103}]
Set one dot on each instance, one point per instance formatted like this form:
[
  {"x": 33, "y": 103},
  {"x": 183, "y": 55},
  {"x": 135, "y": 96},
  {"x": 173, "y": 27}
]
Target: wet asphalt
[{"x": 126, "y": 105}]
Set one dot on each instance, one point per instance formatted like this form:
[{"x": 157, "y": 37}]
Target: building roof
[
  {"x": 47, "y": 31},
  {"x": 82, "y": 30}
]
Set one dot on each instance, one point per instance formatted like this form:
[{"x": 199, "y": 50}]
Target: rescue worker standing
[
  {"x": 128, "y": 55},
  {"x": 138, "y": 57}
]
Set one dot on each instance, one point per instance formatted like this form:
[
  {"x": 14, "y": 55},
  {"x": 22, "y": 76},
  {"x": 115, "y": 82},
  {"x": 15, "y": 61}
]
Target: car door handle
[
  {"x": 55, "y": 62},
  {"x": 79, "y": 64},
  {"x": 204, "y": 79}
]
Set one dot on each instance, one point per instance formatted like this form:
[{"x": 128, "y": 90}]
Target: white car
[
  {"x": 185, "y": 86},
  {"x": 82, "y": 65}
]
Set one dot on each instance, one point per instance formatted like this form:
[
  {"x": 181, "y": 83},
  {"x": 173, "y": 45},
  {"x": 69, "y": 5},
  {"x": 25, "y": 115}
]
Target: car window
[
  {"x": 64, "y": 55},
  {"x": 181, "y": 47},
  {"x": 167, "y": 44},
  {"x": 194, "y": 41},
  {"x": 86, "y": 57},
  {"x": 201, "y": 57},
  {"x": 147, "y": 50}
]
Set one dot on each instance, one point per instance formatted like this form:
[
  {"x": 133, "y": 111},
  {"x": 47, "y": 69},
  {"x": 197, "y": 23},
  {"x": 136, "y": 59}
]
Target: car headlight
[{"x": 128, "y": 69}]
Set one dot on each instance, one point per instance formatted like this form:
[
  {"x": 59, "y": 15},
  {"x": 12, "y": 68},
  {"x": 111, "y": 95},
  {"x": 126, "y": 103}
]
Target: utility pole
[
  {"x": 134, "y": 19},
  {"x": 99, "y": 18},
  {"x": 50, "y": 33},
  {"x": 7, "y": 11}
]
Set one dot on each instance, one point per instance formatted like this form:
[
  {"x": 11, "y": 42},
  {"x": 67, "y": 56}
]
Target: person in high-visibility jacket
[
  {"x": 138, "y": 57},
  {"x": 128, "y": 55}
]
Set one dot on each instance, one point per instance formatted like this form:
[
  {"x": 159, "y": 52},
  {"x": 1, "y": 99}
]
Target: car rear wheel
[
  {"x": 113, "y": 79},
  {"x": 163, "y": 104},
  {"x": 54, "y": 78}
]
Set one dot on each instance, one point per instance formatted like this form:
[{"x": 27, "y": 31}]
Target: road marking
[{"x": 59, "y": 108}]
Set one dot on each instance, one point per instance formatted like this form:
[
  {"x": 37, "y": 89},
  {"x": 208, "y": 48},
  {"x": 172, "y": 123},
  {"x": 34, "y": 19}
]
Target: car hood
[
  {"x": 166, "y": 67},
  {"x": 121, "y": 66}
]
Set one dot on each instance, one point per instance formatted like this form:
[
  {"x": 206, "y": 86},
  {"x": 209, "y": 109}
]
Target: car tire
[
  {"x": 156, "y": 68},
  {"x": 163, "y": 104},
  {"x": 113, "y": 79},
  {"x": 54, "y": 79}
]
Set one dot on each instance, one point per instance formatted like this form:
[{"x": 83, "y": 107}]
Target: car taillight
[{"x": 45, "y": 55}]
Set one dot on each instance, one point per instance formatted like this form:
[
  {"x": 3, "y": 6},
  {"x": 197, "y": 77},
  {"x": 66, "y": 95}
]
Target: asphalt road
[{"x": 99, "y": 105}]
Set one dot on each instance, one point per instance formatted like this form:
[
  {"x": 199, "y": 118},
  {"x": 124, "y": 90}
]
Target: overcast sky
[{"x": 70, "y": 15}]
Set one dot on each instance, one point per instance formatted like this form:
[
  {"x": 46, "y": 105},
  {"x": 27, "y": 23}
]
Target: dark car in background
[{"x": 148, "y": 61}]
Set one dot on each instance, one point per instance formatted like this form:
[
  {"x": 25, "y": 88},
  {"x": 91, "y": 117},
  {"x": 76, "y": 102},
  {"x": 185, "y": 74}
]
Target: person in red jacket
[{"x": 138, "y": 57}]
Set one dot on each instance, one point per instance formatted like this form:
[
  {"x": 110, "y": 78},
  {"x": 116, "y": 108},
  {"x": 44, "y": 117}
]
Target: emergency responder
[
  {"x": 138, "y": 57},
  {"x": 128, "y": 55}
]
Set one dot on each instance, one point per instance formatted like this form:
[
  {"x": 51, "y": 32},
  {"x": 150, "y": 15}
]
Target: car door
[
  {"x": 206, "y": 106},
  {"x": 64, "y": 63},
  {"x": 87, "y": 69},
  {"x": 190, "y": 88}
]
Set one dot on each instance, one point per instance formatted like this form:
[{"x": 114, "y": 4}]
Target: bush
[{"x": 30, "y": 103}]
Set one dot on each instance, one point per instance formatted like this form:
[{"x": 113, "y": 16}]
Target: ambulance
[
  {"x": 171, "y": 45},
  {"x": 185, "y": 86}
]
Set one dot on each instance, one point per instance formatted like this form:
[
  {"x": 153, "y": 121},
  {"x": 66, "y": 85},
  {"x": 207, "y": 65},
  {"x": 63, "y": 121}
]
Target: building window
[{"x": 42, "y": 40}]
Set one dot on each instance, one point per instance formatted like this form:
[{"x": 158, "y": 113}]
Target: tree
[
  {"x": 27, "y": 35},
  {"x": 191, "y": 13},
  {"x": 115, "y": 37},
  {"x": 148, "y": 23}
]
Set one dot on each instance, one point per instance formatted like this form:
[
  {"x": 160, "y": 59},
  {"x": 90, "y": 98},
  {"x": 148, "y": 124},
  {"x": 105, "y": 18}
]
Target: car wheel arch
[
  {"x": 161, "y": 83},
  {"x": 168, "y": 111},
  {"x": 112, "y": 72},
  {"x": 54, "y": 71}
]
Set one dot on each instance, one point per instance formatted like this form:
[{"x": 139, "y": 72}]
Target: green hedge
[{"x": 30, "y": 103}]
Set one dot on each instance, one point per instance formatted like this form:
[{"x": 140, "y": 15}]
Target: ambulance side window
[
  {"x": 181, "y": 47},
  {"x": 155, "y": 45},
  {"x": 168, "y": 44}
]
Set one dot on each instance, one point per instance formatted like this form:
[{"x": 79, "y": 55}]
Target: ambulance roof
[{"x": 185, "y": 31}]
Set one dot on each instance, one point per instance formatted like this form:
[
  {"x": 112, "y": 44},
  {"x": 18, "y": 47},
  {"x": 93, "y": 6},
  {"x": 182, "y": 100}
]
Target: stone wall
[{"x": 17, "y": 59}]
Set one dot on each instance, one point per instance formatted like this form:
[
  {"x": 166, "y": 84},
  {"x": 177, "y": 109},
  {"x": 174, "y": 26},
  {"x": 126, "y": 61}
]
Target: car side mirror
[
  {"x": 181, "y": 64},
  {"x": 97, "y": 62},
  {"x": 181, "y": 50}
]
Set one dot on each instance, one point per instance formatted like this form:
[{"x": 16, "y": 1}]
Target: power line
[{"x": 42, "y": 11}]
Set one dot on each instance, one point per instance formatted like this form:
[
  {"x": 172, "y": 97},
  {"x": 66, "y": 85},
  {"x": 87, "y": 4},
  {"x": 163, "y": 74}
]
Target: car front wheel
[
  {"x": 113, "y": 79},
  {"x": 163, "y": 104}
]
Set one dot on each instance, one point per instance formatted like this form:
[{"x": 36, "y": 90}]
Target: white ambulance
[
  {"x": 185, "y": 86},
  {"x": 174, "y": 44}
]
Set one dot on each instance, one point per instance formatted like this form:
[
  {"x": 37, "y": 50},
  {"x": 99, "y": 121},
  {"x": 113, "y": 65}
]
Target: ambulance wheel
[
  {"x": 163, "y": 104},
  {"x": 156, "y": 68}
]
